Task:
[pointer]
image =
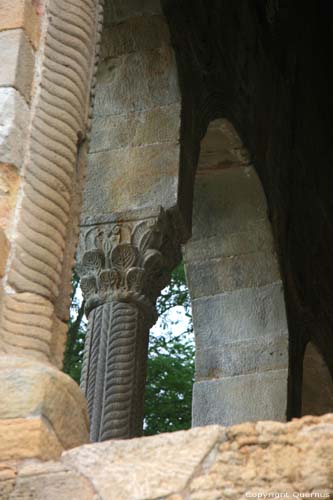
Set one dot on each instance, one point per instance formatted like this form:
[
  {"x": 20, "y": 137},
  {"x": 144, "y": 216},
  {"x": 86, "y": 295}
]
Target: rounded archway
[{"x": 237, "y": 294}]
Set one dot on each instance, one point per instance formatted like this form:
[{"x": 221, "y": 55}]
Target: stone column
[
  {"x": 48, "y": 62},
  {"x": 124, "y": 265}
]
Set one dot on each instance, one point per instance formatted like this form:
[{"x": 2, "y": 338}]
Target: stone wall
[
  {"x": 251, "y": 460},
  {"x": 134, "y": 152},
  {"x": 237, "y": 294}
]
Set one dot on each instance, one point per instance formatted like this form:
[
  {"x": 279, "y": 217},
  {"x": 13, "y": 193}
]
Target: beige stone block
[
  {"x": 22, "y": 14},
  {"x": 58, "y": 343},
  {"x": 51, "y": 481},
  {"x": 140, "y": 177},
  {"x": 4, "y": 248},
  {"x": 28, "y": 438},
  {"x": 144, "y": 468},
  {"x": 31, "y": 390},
  {"x": 9, "y": 184},
  {"x": 17, "y": 61}
]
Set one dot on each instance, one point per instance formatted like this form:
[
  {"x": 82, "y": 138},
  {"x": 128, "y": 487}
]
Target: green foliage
[
  {"x": 170, "y": 368},
  {"x": 76, "y": 335}
]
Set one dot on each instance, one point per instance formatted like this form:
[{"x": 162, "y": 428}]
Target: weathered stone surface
[
  {"x": 235, "y": 284},
  {"x": 14, "y": 121},
  {"x": 159, "y": 125},
  {"x": 247, "y": 314},
  {"x": 136, "y": 82},
  {"x": 228, "y": 200},
  {"x": 8, "y": 474},
  {"x": 291, "y": 460},
  {"x": 4, "y": 248},
  {"x": 236, "y": 272},
  {"x": 256, "y": 238},
  {"x": 136, "y": 34},
  {"x": 267, "y": 458},
  {"x": 120, "y": 10},
  {"x": 158, "y": 466},
  {"x": 232, "y": 400},
  {"x": 132, "y": 177},
  {"x": 17, "y": 61},
  {"x": 245, "y": 356},
  {"x": 22, "y": 438},
  {"x": 22, "y": 14},
  {"x": 38, "y": 393},
  {"x": 9, "y": 184},
  {"x": 51, "y": 481}
]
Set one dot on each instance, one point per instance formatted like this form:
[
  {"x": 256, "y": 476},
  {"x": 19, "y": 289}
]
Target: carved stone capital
[{"x": 127, "y": 261}]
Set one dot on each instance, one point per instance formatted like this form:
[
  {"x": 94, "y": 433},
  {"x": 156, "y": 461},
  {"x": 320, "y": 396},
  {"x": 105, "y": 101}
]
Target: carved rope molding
[
  {"x": 38, "y": 268},
  {"x": 123, "y": 268}
]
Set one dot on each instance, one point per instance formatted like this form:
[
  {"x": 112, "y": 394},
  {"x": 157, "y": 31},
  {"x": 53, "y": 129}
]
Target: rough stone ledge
[{"x": 205, "y": 463}]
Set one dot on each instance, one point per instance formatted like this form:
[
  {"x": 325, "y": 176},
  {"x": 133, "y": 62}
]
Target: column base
[{"x": 42, "y": 411}]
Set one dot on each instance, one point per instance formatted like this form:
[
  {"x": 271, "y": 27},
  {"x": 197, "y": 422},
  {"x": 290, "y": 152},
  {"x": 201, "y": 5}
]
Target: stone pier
[
  {"x": 237, "y": 294},
  {"x": 47, "y": 65}
]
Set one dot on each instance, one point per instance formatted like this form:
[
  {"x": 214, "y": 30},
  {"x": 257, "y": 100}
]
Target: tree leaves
[{"x": 170, "y": 371}]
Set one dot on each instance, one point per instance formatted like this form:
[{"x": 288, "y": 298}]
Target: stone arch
[
  {"x": 317, "y": 387},
  {"x": 249, "y": 75},
  {"x": 237, "y": 293}
]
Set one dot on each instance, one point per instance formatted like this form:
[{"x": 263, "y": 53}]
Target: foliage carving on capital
[{"x": 124, "y": 261}]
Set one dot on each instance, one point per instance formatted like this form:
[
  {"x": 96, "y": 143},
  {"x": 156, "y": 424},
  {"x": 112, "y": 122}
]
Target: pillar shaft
[{"x": 123, "y": 268}]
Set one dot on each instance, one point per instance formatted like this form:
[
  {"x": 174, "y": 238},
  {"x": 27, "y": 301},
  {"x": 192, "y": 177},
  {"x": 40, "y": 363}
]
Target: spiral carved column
[{"x": 123, "y": 268}]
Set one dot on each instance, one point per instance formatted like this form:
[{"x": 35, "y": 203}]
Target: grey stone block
[
  {"x": 136, "y": 34},
  {"x": 232, "y": 400},
  {"x": 227, "y": 201},
  {"x": 139, "y": 177},
  {"x": 239, "y": 358},
  {"x": 14, "y": 120},
  {"x": 137, "y": 82},
  {"x": 214, "y": 276},
  {"x": 160, "y": 125},
  {"x": 120, "y": 10},
  {"x": 17, "y": 61},
  {"x": 254, "y": 313},
  {"x": 257, "y": 238}
]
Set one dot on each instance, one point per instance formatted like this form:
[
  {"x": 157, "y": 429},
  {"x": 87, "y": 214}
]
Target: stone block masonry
[
  {"x": 236, "y": 290},
  {"x": 251, "y": 460}
]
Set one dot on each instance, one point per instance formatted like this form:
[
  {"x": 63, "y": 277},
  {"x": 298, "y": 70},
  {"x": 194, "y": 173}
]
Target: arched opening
[
  {"x": 236, "y": 289},
  {"x": 317, "y": 387}
]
